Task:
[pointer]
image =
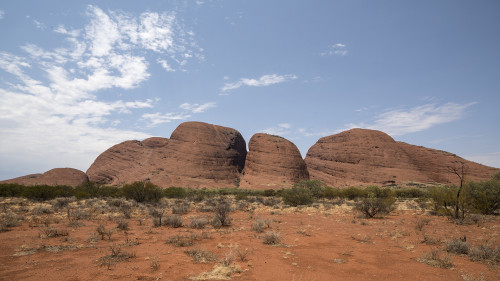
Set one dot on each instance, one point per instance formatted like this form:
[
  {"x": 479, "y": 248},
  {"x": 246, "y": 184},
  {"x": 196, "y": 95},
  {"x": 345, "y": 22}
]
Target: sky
[{"x": 77, "y": 77}]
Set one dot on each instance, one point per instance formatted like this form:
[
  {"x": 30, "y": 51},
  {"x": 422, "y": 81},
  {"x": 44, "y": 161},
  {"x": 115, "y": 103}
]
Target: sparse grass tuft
[
  {"x": 201, "y": 256},
  {"x": 174, "y": 221},
  {"x": 180, "y": 241},
  {"x": 435, "y": 259},
  {"x": 271, "y": 238}
]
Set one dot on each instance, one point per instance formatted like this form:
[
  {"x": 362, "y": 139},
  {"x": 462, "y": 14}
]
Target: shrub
[
  {"x": 142, "y": 192},
  {"x": 175, "y": 192},
  {"x": 174, "y": 221},
  {"x": 269, "y": 192},
  {"x": 221, "y": 217},
  {"x": 314, "y": 186},
  {"x": 421, "y": 222},
  {"x": 180, "y": 241},
  {"x": 457, "y": 246},
  {"x": 198, "y": 222},
  {"x": 485, "y": 252},
  {"x": 122, "y": 224},
  {"x": 297, "y": 196},
  {"x": 180, "y": 208},
  {"x": 330, "y": 192},
  {"x": 435, "y": 259},
  {"x": 271, "y": 238},
  {"x": 372, "y": 206},
  {"x": 201, "y": 256},
  {"x": 352, "y": 193},
  {"x": 409, "y": 193},
  {"x": 47, "y": 192},
  {"x": 485, "y": 196}
]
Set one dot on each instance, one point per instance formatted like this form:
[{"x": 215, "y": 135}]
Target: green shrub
[
  {"x": 410, "y": 193},
  {"x": 269, "y": 192},
  {"x": 372, "y": 206},
  {"x": 47, "y": 192},
  {"x": 297, "y": 196},
  {"x": 315, "y": 187},
  {"x": 175, "y": 192},
  {"x": 11, "y": 190},
  {"x": 485, "y": 196},
  {"x": 142, "y": 192},
  {"x": 380, "y": 192},
  {"x": 352, "y": 193},
  {"x": 330, "y": 192}
]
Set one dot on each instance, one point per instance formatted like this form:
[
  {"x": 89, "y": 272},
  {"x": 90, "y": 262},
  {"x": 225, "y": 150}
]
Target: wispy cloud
[
  {"x": 264, "y": 80},
  {"x": 155, "y": 119},
  {"x": 491, "y": 159},
  {"x": 400, "y": 122},
  {"x": 2, "y": 13},
  {"x": 279, "y": 130},
  {"x": 53, "y": 96},
  {"x": 338, "y": 49},
  {"x": 197, "y": 108}
]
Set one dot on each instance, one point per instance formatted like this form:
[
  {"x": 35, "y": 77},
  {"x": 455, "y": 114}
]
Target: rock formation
[
  {"x": 57, "y": 176},
  {"x": 361, "y": 156},
  {"x": 196, "y": 155},
  {"x": 272, "y": 162}
]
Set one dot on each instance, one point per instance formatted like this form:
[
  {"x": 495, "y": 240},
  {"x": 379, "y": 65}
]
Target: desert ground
[{"x": 260, "y": 239}]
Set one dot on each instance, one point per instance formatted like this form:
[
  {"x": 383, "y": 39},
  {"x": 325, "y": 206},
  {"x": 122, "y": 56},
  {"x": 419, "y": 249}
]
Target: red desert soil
[{"x": 322, "y": 242}]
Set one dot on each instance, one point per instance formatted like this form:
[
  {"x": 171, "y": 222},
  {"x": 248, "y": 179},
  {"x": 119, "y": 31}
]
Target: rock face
[
  {"x": 196, "y": 155},
  {"x": 272, "y": 162},
  {"x": 361, "y": 156},
  {"x": 57, "y": 176}
]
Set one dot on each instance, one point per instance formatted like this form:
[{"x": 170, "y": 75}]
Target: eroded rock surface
[
  {"x": 361, "y": 156},
  {"x": 272, "y": 162},
  {"x": 196, "y": 155},
  {"x": 57, "y": 176}
]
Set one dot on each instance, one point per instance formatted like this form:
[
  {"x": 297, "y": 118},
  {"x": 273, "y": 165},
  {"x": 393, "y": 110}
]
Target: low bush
[
  {"x": 271, "y": 238},
  {"x": 221, "y": 217},
  {"x": 175, "y": 192},
  {"x": 297, "y": 196},
  {"x": 372, "y": 206},
  {"x": 174, "y": 221},
  {"x": 142, "y": 191}
]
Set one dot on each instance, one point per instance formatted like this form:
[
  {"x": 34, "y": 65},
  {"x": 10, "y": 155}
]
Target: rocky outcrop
[
  {"x": 361, "y": 156},
  {"x": 272, "y": 162},
  {"x": 196, "y": 155},
  {"x": 57, "y": 176}
]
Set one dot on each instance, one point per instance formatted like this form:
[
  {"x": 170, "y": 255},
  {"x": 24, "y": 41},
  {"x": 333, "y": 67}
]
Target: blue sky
[{"x": 77, "y": 77}]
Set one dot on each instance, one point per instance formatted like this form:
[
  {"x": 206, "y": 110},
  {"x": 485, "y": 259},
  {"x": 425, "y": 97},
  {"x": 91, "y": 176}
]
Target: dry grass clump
[
  {"x": 154, "y": 264},
  {"x": 51, "y": 232},
  {"x": 421, "y": 222},
  {"x": 115, "y": 256},
  {"x": 271, "y": 238},
  {"x": 241, "y": 254},
  {"x": 9, "y": 220},
  {"x": 174, "y": 221},
  {"x": 485, "y": 253},
  {"x": 122, "y": 224},
  {"x": 180, "y": 208},
  {"x": 259, "y": 225},
  {"x": 180, "y": 240},
  {"x": 457, "y": 246},
  {"x": 104, "y": 232},
  {"x": 434, "y": 258},
  {"x": 198, "y": 222},
  {"x": 221, "y": 217},
  {"x": 201, "y": 256}
]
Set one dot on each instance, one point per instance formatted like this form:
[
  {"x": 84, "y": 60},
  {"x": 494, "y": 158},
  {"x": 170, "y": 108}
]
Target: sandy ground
[{"x": 321, "y": 242}]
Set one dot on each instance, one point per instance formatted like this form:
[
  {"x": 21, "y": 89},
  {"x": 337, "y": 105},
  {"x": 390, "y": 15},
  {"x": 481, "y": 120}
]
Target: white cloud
[
  {"x": 400, "y": 122},
  {"x": 165, "y": 65},
  {"x": 491, "y": 159},
  {"x": 2, "y": 13},
  {"x": 264, "y": 80},
  {"x": 280, "y": 130},
  {"x": 39, "y": 25},
  {"x": 197, "y": 108},
  {"x": 155, "y": 119},
  {"x": 51, "y": 104},
  {"x": 338, "y": 49}
]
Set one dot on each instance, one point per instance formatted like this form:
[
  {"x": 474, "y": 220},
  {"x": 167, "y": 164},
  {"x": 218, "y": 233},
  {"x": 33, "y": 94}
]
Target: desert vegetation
[{"x": 312, "y": 229}]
